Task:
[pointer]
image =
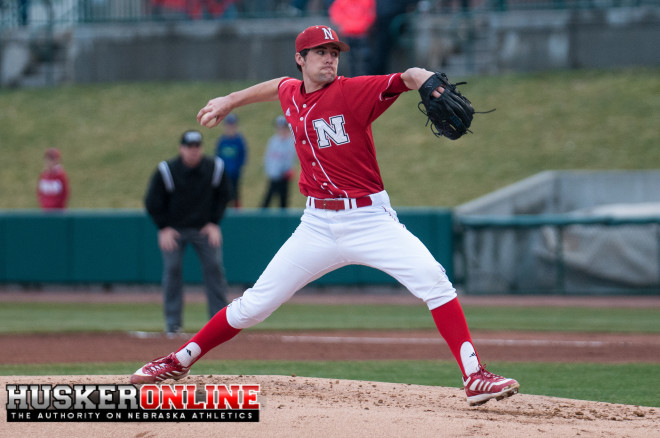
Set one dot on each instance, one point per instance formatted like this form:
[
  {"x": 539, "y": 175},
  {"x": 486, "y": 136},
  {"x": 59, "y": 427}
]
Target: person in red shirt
[
  {"x": 355, "y": 19},
  {"x": 348, "y": 218},
  {"x": 53, "y": 185}
]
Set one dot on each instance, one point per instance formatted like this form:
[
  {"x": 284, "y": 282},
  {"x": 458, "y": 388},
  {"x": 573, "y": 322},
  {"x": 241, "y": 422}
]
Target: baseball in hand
[{"x": 207, "y": 119}]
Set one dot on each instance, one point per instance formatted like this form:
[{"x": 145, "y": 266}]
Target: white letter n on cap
[{"x": 328, "y": 33}]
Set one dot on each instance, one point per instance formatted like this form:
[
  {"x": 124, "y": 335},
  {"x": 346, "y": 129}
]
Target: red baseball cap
[
  {"x": 315, "y": 36},
  {"x": 52, "y": 153}
]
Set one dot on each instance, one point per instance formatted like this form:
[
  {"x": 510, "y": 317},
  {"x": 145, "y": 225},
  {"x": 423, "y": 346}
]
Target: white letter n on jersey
[{"x": 333, "y": 131}]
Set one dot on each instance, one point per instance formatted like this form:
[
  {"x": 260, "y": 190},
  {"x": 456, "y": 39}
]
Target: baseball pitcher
[{"x": 348, "y": 218}]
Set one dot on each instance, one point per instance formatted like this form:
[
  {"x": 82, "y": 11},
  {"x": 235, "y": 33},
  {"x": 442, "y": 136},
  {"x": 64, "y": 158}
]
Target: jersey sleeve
[
  {"x": 372, "y": 95},
  {"x": 286, "y": 84}
]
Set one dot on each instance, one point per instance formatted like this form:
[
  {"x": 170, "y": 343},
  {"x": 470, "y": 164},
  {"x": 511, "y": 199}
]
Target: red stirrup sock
[
  {"x": 214, "y": 333},
  {"x": 450, "y": 321}
]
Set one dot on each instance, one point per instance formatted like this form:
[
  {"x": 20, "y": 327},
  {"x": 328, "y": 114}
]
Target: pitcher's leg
[
  {"x": 302, "y": 259},
  {"x": 396, "y": 251},
  {"x": 380, "y": 241},
  {"x": 305, "y": 256}
]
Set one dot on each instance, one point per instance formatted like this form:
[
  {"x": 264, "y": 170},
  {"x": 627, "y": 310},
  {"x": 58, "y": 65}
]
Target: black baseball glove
[{"x": 450, "y": 114}]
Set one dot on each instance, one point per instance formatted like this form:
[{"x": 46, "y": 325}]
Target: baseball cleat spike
[{"x": 482, "y": 386}]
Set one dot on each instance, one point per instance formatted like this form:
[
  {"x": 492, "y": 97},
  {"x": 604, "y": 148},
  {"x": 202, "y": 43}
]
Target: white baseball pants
[{"x": 326, "y": 240}]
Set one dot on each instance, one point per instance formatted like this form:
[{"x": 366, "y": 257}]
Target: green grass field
[
  {"x": 113, "y": 135},
  {"x": 632, "y": 383},
  {"x": 65, "y": 317}
]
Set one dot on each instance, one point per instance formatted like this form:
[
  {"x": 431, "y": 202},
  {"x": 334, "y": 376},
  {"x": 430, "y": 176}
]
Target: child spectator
[
  {"x": 53, "y": 185},
  {"x": 232, "y": 148},
  {"x": 278, "y": 163}
]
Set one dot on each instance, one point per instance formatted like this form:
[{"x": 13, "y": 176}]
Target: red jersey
[
  {"x": 332, "y": 131},
  {"x": 53, "y": 188}
]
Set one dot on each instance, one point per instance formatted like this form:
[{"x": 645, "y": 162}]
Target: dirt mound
[{"x": 303, "y": 407}]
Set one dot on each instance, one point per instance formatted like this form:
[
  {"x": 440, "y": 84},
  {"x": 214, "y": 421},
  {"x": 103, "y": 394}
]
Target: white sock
[
  {"x": 469, "y": 358},
  {"x": 188, "y": 354}
]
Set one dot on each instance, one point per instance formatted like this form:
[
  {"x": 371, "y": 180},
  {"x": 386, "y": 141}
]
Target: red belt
[{"x": 341, "y": 204}]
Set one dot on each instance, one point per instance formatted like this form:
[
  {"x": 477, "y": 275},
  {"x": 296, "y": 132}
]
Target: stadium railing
[{"x": 66, "y": 13}]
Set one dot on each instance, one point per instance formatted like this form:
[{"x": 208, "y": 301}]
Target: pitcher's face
[{"x": 321, "y": 63}]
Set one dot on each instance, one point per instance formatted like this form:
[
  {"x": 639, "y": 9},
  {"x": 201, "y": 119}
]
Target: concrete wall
[
  {"x": 558, "y": 192},
  {"x": 202, "y": 50},
  {"x": 525, "y": 41}
]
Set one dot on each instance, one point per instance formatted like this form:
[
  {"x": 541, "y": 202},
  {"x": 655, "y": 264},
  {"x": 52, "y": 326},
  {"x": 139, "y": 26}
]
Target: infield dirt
[{"x": 311, "y": 407}]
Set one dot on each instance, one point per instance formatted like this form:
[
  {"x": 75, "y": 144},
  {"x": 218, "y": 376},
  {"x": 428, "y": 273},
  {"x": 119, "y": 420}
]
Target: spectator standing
[
  {"x": 278, "y": 163},
  {"x": 386, "y": 12},
  {"x": 23, "y": 12},
  {"x": 233, "y": 150},
  {"x": 53, "y": 185},
  {"x": 186, "y": 199},
  {"x": 354, "y": 19}
]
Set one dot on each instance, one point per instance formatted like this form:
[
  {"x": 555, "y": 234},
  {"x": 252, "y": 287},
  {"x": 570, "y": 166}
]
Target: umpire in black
[{"x": 186, "y": 199}]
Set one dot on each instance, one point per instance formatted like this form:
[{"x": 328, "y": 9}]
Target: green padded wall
[{"x": 120, "y": 246}]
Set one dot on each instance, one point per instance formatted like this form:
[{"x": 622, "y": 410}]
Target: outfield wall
[{"x": 120, "y": 246}]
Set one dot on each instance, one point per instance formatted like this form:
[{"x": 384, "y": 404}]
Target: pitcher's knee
[
  {"x": 244, "y": 312},
  {"x": 431, "y": 285},
  {"x": 440, "y": 297}
]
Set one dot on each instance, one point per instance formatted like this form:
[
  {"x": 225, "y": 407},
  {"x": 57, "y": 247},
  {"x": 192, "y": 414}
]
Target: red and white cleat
[
  {"x": 163, "y": 368},
  {"x": 483, "y": 386}
]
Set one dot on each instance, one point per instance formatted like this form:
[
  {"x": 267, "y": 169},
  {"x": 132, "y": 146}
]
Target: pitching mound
[{"x": 303, "y": 407}]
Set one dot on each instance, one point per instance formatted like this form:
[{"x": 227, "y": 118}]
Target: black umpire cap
[{"x": 190, "y": 137}]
